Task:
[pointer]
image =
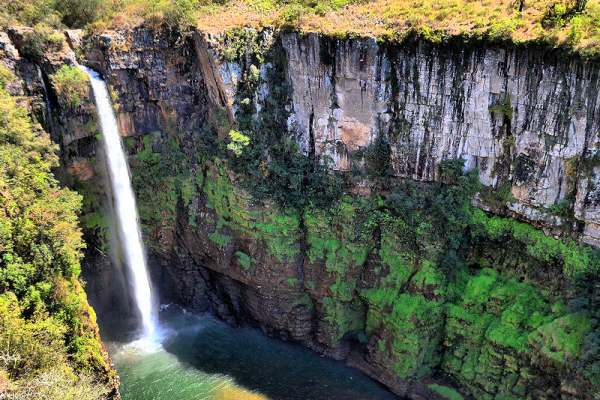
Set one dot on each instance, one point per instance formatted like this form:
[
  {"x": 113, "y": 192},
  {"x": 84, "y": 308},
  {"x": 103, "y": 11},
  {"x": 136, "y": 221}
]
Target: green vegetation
[
  {"x": 71, "y": 85},
  {"x": 495, "y": 323},
  {"x": 219, "y": 239},
  {"x": 569, "y": 23},
  {"x": 499, "y": 197},
  {"x": 414, "y": 272},
  {"x": 441, "y": 296},
  {"x": 40, "y": 39},
  {"x": 96, "y": 13},
  {"x": 278, "y": 229},
  {"x": 271, "y": 164},
  {"x": 446, "y": 392},
  {"x": 292, "y": 281},
  {"x": 334, "y": 237},
  {"x": 572, "y": 24},
  {"x": 94, "y": 217},
  {"x": 78, "y": 13},
  {"x": 49, "y": 340},
  {"x": 238, "y": 141},
  {"x": 445, "y": 298},
  {"x": 426, "y": 294},
  {"x": 35, "y": 359},
  {"x": 161, "y": 177},
  {"x": 377, "y": 158},
  {"x": 244, "y": 260},
  {"x": 574, "y": 258},
  {"x": 562, "y": 339},
  {"x": 412, "y": 325},
  {"x": 503, "y": 109}
]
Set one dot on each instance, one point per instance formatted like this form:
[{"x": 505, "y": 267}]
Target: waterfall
[
  {"x": 48, "y": 114},
  {"x": 126, "y": 210}
]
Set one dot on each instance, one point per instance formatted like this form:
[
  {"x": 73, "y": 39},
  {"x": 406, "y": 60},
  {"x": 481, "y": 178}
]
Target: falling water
[
  {"x": 48, "y": 114},
  {"x": 126, "y": 210}
]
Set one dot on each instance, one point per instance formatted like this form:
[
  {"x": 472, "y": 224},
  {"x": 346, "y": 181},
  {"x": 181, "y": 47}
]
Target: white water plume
[{"x": 126, "y": 210}]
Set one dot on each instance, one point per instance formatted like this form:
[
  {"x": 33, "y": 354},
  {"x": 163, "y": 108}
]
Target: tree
[{"x": 78, "y": 13}]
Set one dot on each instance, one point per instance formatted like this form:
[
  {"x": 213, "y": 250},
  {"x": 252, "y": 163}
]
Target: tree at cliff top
[{"x": 49, "y": 342}]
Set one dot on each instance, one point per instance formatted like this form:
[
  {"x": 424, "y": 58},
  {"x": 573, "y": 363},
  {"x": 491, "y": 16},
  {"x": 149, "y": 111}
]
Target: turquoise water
[{"x": 203, "y": 358}]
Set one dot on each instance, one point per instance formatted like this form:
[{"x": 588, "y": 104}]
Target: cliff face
[
  {"x": 526, "y": 118},
  {"x": 359, "y": 280},
  {"x": 522, "y": 117}
]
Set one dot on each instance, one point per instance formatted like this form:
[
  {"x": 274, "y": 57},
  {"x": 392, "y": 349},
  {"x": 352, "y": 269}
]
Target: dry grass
[
  {"x": 555, "y": 22},
  {"x": 435, "y": 20}
]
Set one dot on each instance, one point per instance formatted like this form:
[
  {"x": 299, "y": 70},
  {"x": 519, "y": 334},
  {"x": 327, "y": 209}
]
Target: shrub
[
  {"x": 57, "y": 385},
  {"x": 244, "y": 260},
  {"x": 34, "y": 357},
  {"x": 180, "y": 12},
  {"x": 46, "y": 324},
  {"x": 377, "y": 157},
  {"x": 6, "y": 76},
  {"x": 41, "y": 39},
  {"x": 291, "y": 14},
  {"x": 71, "y": 85},
  {"x": 31, "y": 345},
  {"x": 28, "y": 12},
  {"x": 78, "y": 13},
  {"x": 238, "y": 141}
]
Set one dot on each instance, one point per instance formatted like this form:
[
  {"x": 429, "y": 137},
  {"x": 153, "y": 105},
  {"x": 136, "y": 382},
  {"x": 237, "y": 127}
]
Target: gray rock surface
[{"x": 523, "y": 117}]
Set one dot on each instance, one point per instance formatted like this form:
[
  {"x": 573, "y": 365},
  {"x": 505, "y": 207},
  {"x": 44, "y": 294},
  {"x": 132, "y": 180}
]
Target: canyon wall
[
  {"x": 358, "y": 280},
  {"x": 526, "y": 118}
]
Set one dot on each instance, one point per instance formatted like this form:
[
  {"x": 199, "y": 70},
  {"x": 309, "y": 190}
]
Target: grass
[
  {"x": 554, "y": 22},
  {"x": 498, "y": 20}
]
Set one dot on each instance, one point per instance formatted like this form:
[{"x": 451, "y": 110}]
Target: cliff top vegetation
[{"x": 571, "y": 24}]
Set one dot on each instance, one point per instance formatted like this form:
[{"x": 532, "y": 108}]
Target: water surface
[{"x": 203, "y": 358}]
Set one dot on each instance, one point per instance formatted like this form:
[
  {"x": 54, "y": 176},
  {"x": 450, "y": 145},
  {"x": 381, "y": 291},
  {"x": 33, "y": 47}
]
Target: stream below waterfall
[{"x": 206, "y": 359}]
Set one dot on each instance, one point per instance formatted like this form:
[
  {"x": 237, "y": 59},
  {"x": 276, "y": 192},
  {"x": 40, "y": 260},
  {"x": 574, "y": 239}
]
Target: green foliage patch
[
  {"x": 244, "y": 260},
  {"x": 41, "y": 39},
  {"x": 161, "y": 177},
  {"x": 48, "y": 332},
  {"x": 71, "y": 85},
  {"x": 341, "y": 237},
  {"x": 574, "y": 258},
  {"x": 279, "y": 229},
  {"x": 446, "y": 392}
]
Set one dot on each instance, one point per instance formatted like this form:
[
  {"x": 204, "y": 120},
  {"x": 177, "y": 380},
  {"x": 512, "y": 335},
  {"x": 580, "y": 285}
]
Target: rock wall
[{"x": 524, "y": 117}]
